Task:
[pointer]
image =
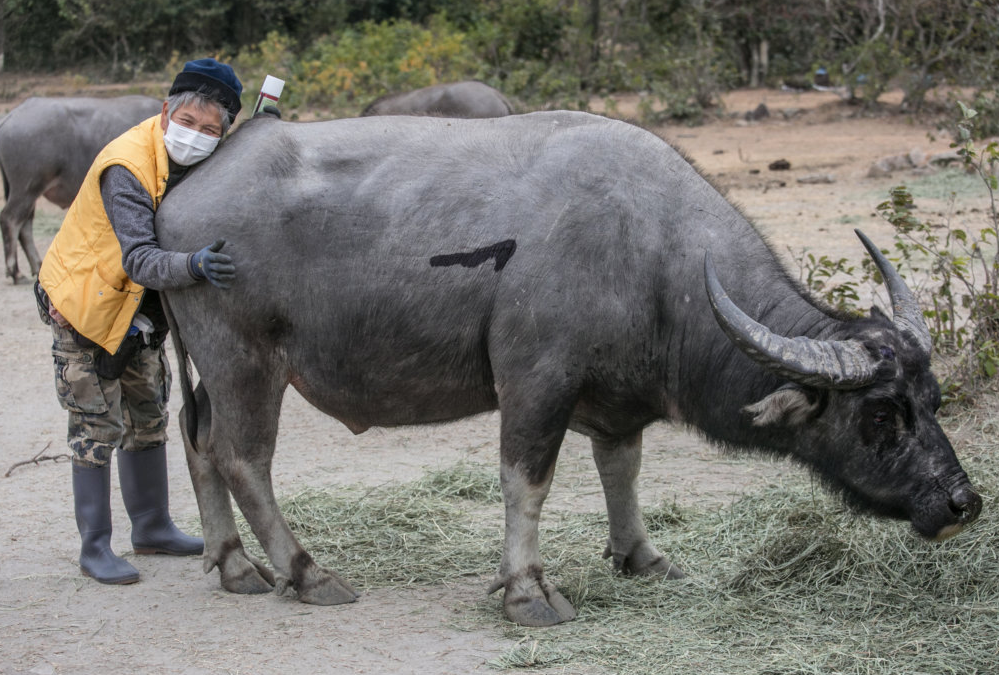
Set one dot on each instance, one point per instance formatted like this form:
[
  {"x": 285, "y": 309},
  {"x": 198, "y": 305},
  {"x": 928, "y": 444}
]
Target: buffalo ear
[
  {"x": 876, "y": 313},
  {"x": 790, "y": 405}
]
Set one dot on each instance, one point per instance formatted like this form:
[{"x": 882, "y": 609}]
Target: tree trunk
[
  {"x": 759, "y": 63},
  {"x": 3, "y": 34},
  {"x": 594, "y": 33},
  {"x": 764, "y": 60}
]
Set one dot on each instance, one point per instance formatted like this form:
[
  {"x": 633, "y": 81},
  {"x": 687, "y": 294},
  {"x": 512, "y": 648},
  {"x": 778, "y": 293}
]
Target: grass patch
[
  {"x": 782, "y": 582},
  {"x": 445, "y": 525},
  {"x": 944, "y": 184}
]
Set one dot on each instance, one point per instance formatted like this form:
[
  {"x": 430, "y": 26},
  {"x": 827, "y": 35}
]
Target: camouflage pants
[{"x": 128, "y": 413}]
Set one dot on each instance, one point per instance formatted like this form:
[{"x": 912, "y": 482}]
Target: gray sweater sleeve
[{"x": 130, "y": 210}]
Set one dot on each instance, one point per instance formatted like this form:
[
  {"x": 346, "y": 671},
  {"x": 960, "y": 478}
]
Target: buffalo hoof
[
  {"x": 244, "y": 574},
  {"x": 323, "y": 587},
  {"x": 644, "y": 561},
  {"x": 537, "y": 612},
  {"x": 533, "y": 601}
]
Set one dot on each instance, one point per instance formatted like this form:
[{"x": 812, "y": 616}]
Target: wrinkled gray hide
[
  {"x": 46, "y": 148},
  {"x": 552, "y": 265},
  {"x": 458, "y": 99}
]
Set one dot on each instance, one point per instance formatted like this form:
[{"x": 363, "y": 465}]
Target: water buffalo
[
  {"x": 567, "y": 269},
  {"x": 46, "y": 148},
  {"x": 457, "y": 99}
]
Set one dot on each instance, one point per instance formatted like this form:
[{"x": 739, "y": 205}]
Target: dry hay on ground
[{"x": 784, "y": 581}]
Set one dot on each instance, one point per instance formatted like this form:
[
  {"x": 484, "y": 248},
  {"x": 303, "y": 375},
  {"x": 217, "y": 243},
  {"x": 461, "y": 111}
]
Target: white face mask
[{"x": 187, "y": 146}]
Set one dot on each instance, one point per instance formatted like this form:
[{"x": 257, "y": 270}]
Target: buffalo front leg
[
  {"x": 619, "y": 463},
  {"x": 243, "y": 446},
  {"x": 240, "y": 572},
  {"x": 528, "y": 453}
]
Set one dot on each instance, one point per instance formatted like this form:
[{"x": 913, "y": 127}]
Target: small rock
[
  {"x": 817, "y": 178},
  {"x": 878, "y": 170},
  {"x": 899, "y": 162},
  {"x": 780, "y": 165},
  {"x": 917, "y": 157},
  {"x": 886, "y": 165},
  {"x": 758, "y": 114},
  {"x": 944, "y": 158}
]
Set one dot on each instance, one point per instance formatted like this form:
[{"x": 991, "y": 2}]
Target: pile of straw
[{"x": 782, "y": 582}]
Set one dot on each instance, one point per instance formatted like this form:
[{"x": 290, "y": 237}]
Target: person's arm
[{"x": 130, "y": 209}]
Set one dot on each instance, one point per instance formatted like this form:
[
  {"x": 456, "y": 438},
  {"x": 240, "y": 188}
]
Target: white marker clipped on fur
[{"x": 270, "y": 92}]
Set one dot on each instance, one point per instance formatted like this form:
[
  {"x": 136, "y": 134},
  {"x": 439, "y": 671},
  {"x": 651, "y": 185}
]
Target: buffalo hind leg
[
  {"x": 240, "y": 572},
  {"x": 16, "y": 216},
  {"x": 618, "y": 464},
  {"x": 531, "y": 434},
  {"x": 26, "y": 236},
  {"x": 244, "y": 431}
]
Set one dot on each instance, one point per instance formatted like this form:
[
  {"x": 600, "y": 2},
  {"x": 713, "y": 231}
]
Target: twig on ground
[{"x": 38, "y": 458}]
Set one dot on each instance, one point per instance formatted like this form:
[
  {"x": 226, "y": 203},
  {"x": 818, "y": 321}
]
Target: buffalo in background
[
  {"x": 457, "y": 99},
  {"x": 46, "y": 148}
]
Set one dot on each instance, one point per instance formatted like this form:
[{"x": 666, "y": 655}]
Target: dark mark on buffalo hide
[{"x": 502, "y": 251}]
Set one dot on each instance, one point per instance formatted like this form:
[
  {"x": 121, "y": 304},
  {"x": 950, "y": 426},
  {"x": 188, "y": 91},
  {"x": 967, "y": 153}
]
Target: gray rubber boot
[
  {"x": 92, "y": 500},
  {"x": 143, "y": 479}
]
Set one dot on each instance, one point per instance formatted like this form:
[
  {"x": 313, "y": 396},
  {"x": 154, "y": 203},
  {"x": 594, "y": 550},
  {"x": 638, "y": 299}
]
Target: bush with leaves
[
  {"x": 984, "y": 123},
  {"x": 954, "y": 271},
  {"x": 344, "y": 72},
  {"x": 832, "y": 280}
]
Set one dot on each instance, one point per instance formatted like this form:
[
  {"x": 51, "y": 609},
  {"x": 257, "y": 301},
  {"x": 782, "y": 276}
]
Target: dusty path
[{"x": 179, "y": 621}]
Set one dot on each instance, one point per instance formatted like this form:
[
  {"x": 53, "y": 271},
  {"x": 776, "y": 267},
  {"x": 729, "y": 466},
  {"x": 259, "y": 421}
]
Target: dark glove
[
  {"x": 271, "y": 110},
  {"x": 112, "y": 366},
  {"x": 217, "y": 267}
]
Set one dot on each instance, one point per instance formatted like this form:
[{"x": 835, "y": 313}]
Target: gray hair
[{"x": 199, "y": 101}]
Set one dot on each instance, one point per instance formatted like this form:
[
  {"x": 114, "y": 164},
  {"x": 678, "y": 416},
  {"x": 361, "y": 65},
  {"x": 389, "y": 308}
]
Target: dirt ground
[{"x": 177, "y": 620}]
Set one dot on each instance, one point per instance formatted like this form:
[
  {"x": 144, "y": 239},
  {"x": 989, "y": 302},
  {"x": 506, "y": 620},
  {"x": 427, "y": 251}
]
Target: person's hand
[
  {"x": 217, "y": 267},
  {"x": 58, "y": 318}
]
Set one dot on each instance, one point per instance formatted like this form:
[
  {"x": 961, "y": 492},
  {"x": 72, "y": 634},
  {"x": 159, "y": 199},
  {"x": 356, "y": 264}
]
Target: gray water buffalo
[
  {"x": 46, "y": 148},
  {"x": 573, "y": 272},
  {"x": 458, "y": 99}
]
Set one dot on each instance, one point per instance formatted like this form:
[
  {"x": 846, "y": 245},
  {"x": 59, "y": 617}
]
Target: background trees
[{"x": 559, "y": 52}]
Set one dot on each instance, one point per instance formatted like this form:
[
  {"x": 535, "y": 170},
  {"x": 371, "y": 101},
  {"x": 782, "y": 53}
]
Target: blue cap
[{"x": 215, "y": 80}]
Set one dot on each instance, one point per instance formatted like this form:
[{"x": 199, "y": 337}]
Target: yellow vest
[{"x": 82, "y": 272}]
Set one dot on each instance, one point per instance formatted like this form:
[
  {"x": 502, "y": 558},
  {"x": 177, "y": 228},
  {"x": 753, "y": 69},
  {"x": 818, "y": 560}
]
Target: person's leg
[
  {"x": 142, "y": 465},
  {"x": 94, "y": 431}
]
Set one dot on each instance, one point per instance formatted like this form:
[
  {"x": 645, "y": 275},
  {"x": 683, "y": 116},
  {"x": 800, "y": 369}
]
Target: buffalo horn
[
  {"x": 905, "y": 309},
  {"x": 830, "y": 364}
]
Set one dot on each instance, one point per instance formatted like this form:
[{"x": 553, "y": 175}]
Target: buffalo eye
[
  {"x": 879, "y": 424},
  {"x": 881, "y": 417}
]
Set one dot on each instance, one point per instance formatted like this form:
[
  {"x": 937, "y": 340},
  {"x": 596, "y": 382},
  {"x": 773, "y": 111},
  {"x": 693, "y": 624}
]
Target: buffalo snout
[{"x": 966, "y": 504}]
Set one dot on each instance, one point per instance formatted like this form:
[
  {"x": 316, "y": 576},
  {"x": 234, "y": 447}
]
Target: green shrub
[
  {"x": 343, "y": 72},
  {"x": 985, "y": 122},
  {"x": 958, "y": 269}
]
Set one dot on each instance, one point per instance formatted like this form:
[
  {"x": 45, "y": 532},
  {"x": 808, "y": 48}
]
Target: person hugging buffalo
[{"x": 98, "y": 289}]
